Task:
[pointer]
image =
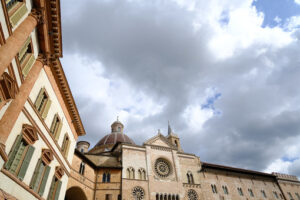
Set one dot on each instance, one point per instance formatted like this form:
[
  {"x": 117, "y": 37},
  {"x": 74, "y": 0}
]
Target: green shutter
[
  {"x": 15, "y": 18},
  {"x": 17, "y": 160},
  {"x": 57, "y": 134},
  {"x": 51, "y": 191},
  {"x": 24, "y": 48},
  {"x": 28, "y": 65},
  {"x": 47, "y": 107},
  {"x": 44, "y": 181},
  {"x": 13, "y": 152},
  {"x": 25, "y": 163},
  {"x": 39, "y": 177},
  {"x": 67, "y": 148},
  {"x": 35, "y": 174},
  {"x": 57, "y": 192},
  {"x": 52, "y": 128},
  {"x": 39, "y": 98}
]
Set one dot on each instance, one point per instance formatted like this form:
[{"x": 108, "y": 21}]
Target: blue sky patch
[{"x": 280, "y": 9}]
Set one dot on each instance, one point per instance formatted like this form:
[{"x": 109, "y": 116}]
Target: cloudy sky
[{"x": 225, "y": 73}]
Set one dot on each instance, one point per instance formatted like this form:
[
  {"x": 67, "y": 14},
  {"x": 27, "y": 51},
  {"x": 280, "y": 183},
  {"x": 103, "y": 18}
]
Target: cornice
[{"x": 65, "y": 90}]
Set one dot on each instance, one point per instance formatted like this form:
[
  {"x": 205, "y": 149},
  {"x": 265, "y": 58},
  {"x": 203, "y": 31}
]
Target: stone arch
[{"x": 75, "y": 193}]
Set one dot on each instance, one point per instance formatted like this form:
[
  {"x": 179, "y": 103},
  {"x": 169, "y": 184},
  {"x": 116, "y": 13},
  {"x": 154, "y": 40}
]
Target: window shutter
[
  {"x": 25, "y": 163},
  {"x": 34, "y": 177},
  {"x": 39, "y": 177},
  {"x": 51, "y": 191},
  {"x": 57, "y": 134},
  {"x": 17, "y": 16},
  {"x": 18, "y": 157},
  {"x": 24, "y": 48},
  {"x": 57, "y": 192},
  {"x": 13, "y": 152},
  {"x": 28, "y": 65},
  {"x": 53, "y": 124},
  {"x": 39, "y": 98},
  {"x": 46, "y": 110},
  {"x": 44, "y": 181},
  {"x": 67, "y": 148}
]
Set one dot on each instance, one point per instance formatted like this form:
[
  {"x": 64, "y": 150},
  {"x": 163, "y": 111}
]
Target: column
[
  {"x": 11, "y": 115},
  {"x": 14, "y": 43}
]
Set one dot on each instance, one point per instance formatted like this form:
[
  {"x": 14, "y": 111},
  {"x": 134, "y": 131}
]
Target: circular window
[
  {"x": 192, "y": 195},
  {"x": 162, "y": 168},
  {"x": 138, "y": 193}
]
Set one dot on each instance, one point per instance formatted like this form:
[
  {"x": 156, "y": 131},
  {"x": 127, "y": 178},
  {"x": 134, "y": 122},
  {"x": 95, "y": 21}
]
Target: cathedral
[
  {"x": 41, "y": 158},
  {"x": 118, "y": 169}
]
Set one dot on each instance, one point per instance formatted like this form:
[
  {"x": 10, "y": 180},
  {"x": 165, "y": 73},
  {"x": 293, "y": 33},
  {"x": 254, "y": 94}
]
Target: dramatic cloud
[{"x": 228, "y": 84}]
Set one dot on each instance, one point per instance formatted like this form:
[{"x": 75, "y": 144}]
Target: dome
[{"x": 116, "y": 136}]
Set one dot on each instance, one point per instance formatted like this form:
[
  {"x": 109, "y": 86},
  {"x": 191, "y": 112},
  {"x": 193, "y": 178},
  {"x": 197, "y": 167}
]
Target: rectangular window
[
  {"x": 298, "y": 196},
  {"x": 65, "y": 145},
  {"x": 263, "y": 193},
  {"x": 108, "y": 197},
  {"x": 56, "y": 127},
  {"x": 275, "y": 194},
  {"x": 40, "y": 176},
  {"x": 290, "y": 196},
  {"x": 251, "y": 192},
  {"x": 19, "y": 157},
  {"x": 26, "y": 57},
  {"x": 54, "y": 189},
  {"x": 240, "y": 191},
  {"x": 16, "y": 10},
  {"x": 43, "y": 103}
]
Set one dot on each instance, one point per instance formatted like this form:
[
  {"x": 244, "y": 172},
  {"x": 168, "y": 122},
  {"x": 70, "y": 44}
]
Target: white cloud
[
  {"x": 297, "y": 2},
  {"x": 279, "y": 166}
]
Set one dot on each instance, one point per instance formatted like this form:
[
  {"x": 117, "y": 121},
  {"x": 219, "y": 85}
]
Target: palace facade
[
  {"x": 118, "y": 169},
  {"x": 39, "y": 121}
]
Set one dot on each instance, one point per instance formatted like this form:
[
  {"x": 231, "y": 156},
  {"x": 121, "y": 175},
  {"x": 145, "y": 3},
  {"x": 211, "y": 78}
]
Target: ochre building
[
  {"x": 39, "y": 121},
  {"x": 116, "y": 168}
]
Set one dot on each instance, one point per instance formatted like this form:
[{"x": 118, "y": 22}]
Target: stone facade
[{"x": 160, "y": 170}]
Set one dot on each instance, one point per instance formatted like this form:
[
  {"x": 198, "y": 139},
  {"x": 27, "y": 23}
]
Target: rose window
[
  {"x": 192, "y": 195},
  {"x": 162, "y": 168},
  {"x": 138, "y": 193}
]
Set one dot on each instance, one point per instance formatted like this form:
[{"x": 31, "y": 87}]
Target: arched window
[
  {"x": 190, "y": 178},
  {"x": 142, "y": 174},
  {"x": 104, "y": 177},
  {"x": 108, "y": 177},
  {"x": 177, "y": 197},
  {"x": 173, "y": 197},
  {"x": 161, "y": 196},
  {"x": 169, "y": 197},
  {"x": 130, "y": 173},
  {"x": 81, "y": 168},
  {"x": 119, "y": 197},
  {"x": 165, "y": 197},
  {"x": 157, "y": 196}
]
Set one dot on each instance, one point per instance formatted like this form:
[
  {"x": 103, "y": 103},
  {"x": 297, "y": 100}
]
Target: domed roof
[{"x": 114, "y": 138}]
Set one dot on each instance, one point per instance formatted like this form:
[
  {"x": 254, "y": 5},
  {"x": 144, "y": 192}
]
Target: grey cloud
[{"x": 156, "y": 49}]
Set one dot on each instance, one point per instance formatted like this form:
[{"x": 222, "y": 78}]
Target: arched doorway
[{"x": 75, "y": 193}]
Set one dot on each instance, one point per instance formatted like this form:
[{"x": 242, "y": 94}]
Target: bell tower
[{"x": 173, "y": 138}]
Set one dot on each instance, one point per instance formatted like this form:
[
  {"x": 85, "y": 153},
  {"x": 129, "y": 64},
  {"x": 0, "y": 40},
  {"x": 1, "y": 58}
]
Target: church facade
[{"x": 118, "y": 169}]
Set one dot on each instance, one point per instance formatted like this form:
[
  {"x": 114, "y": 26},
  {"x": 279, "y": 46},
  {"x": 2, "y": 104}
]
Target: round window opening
[
  {"x": 192, "y": 195},
  {"x": 162, "y": 168},
  {"x": 138, "y": 193}
]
